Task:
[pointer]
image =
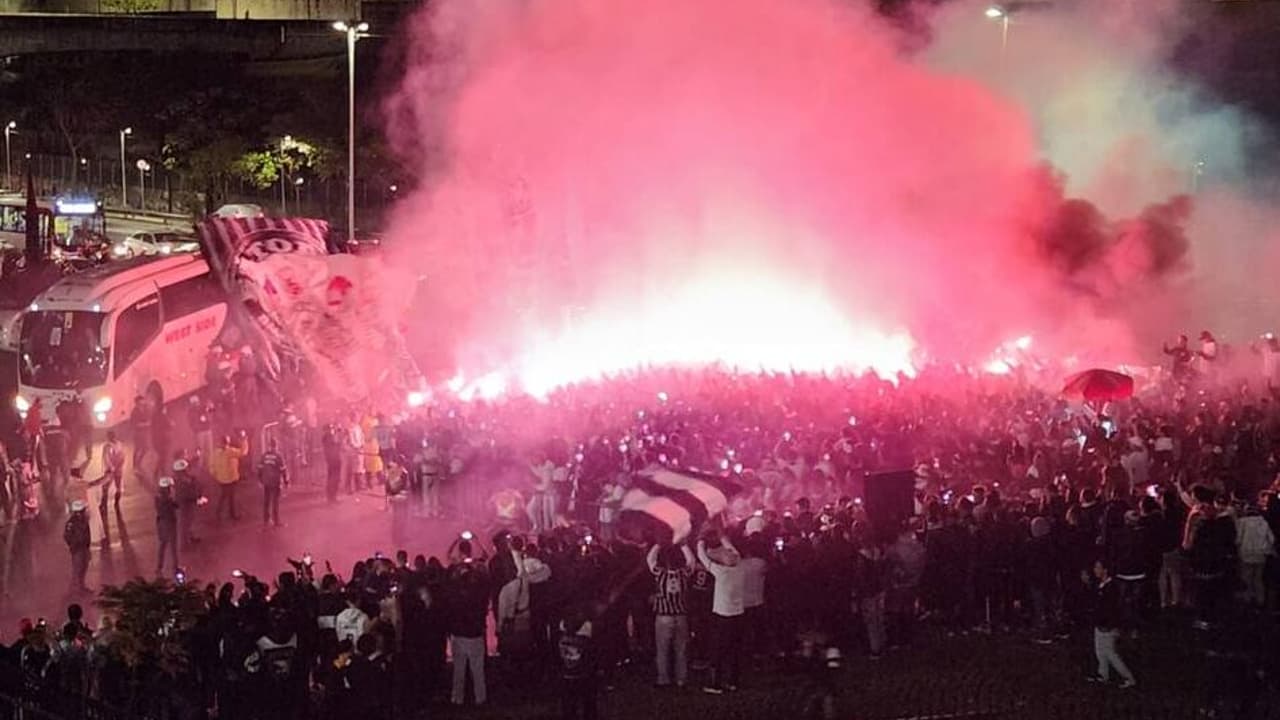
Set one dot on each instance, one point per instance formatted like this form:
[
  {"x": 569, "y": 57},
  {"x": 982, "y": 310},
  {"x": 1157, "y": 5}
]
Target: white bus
[{"x": 118, "y": 331}]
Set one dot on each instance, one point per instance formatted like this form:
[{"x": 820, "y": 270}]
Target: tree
[
  {"x": 79, "y": 97},
  {"x": 130, "y": 7},
  {"x": 151, "y": 620},
  {"x": 206, "y": 132},
  {"x": 289, "y": 157}
]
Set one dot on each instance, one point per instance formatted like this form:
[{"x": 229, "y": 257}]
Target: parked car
[
  {"x": 239, "y": 210},
  {"x": 155, "y": 243}
]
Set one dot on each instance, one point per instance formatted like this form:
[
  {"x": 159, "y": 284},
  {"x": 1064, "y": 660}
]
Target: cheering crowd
[{"x": 1044, "y": 518}]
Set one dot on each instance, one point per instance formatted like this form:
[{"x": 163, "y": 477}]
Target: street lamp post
[
  {"x": 143, "y": 167},
  {"x": 10, "y": 129},
  {"x": 355, "y": 31},
  {"x": 297, "y": 194},
  {"x": 124, "y": 171},
  {"x": 286, "y": 144},
  {"x": 997, "y": 12}
]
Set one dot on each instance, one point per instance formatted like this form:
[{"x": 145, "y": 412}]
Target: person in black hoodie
[
  {"x": 1090, "y": 512},
  {"x": 1173, "y": 516},
  {"x": 1076, "y": 553},
  {"x": 578, "y": 688},
  {"x": 1041, "y": 576},
  {"x": 1209, "y": 540},
  {"x": 1130, "y": 555},
  {"x": 1108, "y": 621}
]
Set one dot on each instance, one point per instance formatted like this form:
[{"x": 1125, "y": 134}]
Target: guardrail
[{"x": 166, "y": 219}]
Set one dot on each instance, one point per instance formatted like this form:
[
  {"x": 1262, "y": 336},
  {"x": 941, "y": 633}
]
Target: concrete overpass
[{"x": 259, "y": 40}]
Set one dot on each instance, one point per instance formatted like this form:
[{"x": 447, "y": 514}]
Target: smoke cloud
[{"x": 607, "y": 184}]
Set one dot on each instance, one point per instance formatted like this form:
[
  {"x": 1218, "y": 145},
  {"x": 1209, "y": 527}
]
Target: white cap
[
  {"x": 78, "y": 506},
  {"x": 166, "y": 482},
  {"x": 179, "y": 465}
]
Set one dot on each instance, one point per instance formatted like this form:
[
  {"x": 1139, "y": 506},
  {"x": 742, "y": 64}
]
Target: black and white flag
[
  {"x": 681, "y": 501},
  {"x": 233, "y": 247}
]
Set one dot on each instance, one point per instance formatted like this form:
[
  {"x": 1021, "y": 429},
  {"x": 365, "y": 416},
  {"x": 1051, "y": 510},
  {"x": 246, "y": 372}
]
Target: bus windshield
[{"x": 60, "y": 350}]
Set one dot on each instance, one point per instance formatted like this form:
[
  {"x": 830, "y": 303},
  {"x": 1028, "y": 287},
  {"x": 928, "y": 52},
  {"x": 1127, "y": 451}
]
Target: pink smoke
[{"x": 607, "y": 185}]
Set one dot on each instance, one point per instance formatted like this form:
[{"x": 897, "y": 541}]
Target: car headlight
[
  {"x": 120, "y": 250},
  {"x": 103, "y": 406},
  {"x": 165, "y": 249},
  {"x": 22, "y": 404}
]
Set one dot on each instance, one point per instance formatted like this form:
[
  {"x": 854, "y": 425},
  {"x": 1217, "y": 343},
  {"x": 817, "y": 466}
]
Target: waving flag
[
  {"x": 678, "y": 502},
  {"x": 338, "y": 312},
  {"x": 234, "y": 246},
  {"x": 342, "y": 313}
]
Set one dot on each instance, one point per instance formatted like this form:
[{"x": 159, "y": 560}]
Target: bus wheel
[{"x": 155, "y": 395}]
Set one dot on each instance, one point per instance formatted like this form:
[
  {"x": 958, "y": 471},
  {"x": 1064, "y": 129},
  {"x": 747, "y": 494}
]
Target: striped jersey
[{"x": 669, "y": 591}]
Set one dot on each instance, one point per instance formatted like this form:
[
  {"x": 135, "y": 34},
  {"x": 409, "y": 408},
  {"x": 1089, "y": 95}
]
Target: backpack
[
  {"x": 188, "y": 491},
  {"x": 573, "y": 650},
  {"x": 76, "y": 531},
  {"x": 1213, "y": 546}
]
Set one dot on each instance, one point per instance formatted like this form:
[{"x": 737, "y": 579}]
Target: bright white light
[
  {"x": 1023, "y": 343},
  {"x": 995, "y": 11},
  {"x": 76, "y": 207},
  {"x": 102, "y": 418},
  {"x": 119, "y": 250},
  {"x": 97, "y": 307},
  {"x": 998, "y": 367},
  {"x": 662, "y": 397},
  {"x": 103, "y": 405},
  {"x": 487, "y": 387},
  {"x": 165, "y": 250},
  {"x": 340, "y": 26},
  {"x": 35, "y": 307},
  {"x": 362, "y": 27},
  {"x": 127, "y": 131},
  {"x": 456, "y": 383},
  {"x": 750, "y": 319},
  {"x": 417, "y": 399},
  {"x": 22, "y": 404}
]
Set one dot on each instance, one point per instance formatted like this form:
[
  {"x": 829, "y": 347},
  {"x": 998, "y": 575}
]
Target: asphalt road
[{"x": 36, "y": 576}]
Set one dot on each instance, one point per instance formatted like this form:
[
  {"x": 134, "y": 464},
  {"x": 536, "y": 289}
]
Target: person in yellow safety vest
[
  {"x": 224, "y": 465},
  {"x": 371, "y": 452}
]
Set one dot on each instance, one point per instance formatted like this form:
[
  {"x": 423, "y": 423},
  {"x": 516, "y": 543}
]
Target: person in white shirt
[
  {"x": 727, "y": 612},
  {"x": 754, "y": 570},
  {"x": 542, "y": 506},
  {"x": 351, "y": 622},
  {"x": 355, "y": 446},
  {"x": 1255, "y": 543}
]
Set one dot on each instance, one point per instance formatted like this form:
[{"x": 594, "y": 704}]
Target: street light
[
  {"x": 287, "y": 143},
  {"x": 999, "y": 12},
  {"x": 143, "y": 167},
  {"x": 10, "y": 129},
  {"x": 1005, "y": 11},
  {"x": 124, "y": 171},
  {"x": 354, "y": 31},
  {"x": 297, "y": 194}
]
